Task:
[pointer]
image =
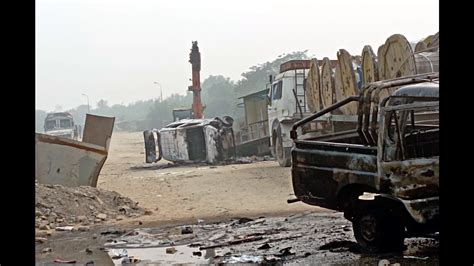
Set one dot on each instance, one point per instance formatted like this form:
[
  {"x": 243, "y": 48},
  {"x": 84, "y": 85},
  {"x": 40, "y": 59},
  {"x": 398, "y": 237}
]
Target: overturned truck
[{"x": 191, "y": 141}]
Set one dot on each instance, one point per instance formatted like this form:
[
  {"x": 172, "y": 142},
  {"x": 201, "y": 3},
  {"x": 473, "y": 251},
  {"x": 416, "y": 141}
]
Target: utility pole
[
  {"x": 88, "y": 106},
  {"x": 161, "y": 92}
]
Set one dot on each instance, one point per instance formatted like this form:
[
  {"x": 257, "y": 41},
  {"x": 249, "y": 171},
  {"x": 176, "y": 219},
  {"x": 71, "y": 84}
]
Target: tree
[
  {"x": 257, "y": 78},
  {"x": 102, "y": 104}
]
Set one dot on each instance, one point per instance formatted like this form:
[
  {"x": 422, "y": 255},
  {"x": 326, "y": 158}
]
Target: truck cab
[
  {"x": 384, "y": 175},
  {"x": 286, "y": 104},
  {"x": 61, "y": 124}
]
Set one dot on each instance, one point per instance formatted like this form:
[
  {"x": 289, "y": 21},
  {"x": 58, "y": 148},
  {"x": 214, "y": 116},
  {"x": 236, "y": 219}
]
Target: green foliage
[{"x": 257, "y": 78}]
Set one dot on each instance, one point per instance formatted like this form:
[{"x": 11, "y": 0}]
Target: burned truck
[
  {"x": 384, "y": 174},
  {"x": 192, "y": 141}
]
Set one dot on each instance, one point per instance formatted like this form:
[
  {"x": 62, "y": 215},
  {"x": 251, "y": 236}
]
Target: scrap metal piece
[{"x": 70, "y": 162}]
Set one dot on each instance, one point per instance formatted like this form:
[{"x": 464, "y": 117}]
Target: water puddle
[{"x": 159, "y": 255}]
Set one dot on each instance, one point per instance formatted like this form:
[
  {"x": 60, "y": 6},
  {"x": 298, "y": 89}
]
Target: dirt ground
[
  {"x": 196, "y": 192},
  {"x": 217, "y": 204}
]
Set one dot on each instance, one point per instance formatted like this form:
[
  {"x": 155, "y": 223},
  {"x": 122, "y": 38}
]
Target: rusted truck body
[
  {"x": 191, "y": 141},
  {"x": 71, "y": 162},
  {"x": 384, "y": 175}
]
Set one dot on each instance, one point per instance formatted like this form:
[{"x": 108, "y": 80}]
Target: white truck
[
  {"x": 289, "y": 100},
  {"x": 61, "y": 124},
  {"x": 287, "y": 104}
]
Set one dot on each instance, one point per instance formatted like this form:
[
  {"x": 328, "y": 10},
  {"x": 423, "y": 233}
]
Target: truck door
[
  {"x": 275, "y": 97},
  {"x": 409, "y": 165}
]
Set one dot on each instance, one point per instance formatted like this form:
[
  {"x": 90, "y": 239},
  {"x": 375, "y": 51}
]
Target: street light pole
[
  {"x": 161, "y": 92},
  {"x": 88, "y": 106}
]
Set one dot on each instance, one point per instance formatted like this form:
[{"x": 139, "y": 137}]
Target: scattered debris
[
  {"x": 65, "y": 228},
  {"x": 336, "y": 245},
  {"x": 171, "y": 250},
  {"x": 264, "y": 246},
  {"x": 79, "y": 205},
  {"x": 83, "y": 228},
  {"x": 285, "y": 252},
  {"x": 415, "y": 257},
  {"x": 40, "y": 239},
  {"x": 44, "y": 227},
  {"x": 130, "y": 259},
  {"x": 186, "y": 230},
  {"x": 119, "y": 254},
  {"x": 64, "y": 261},
  {"x": 88, "y": 251},
  {"x": 46, "y": 250},
  {"x": 243, "y": 259},
  {"x": 244, "y": 220},
  {"x": 113, "y": 232},
  {"x": 234, "y": 242},
  {"x": 101, "y": 216}
]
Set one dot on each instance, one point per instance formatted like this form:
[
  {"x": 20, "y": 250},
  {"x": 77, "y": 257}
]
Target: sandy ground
[{"x": 196, "y": 192}]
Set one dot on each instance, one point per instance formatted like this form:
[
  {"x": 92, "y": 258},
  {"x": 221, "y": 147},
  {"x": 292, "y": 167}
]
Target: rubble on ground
[{"x": 59, "y": 206}]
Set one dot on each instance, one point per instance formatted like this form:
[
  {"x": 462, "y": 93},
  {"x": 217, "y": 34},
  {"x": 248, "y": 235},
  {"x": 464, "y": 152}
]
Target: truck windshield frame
[{"x": 406, "y": 128}]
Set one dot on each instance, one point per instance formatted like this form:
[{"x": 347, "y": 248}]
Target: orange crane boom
[{"x": 195, "y": 60}]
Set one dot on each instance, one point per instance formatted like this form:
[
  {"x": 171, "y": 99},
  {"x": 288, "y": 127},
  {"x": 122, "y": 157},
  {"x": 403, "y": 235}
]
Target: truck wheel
[
  {"x": 282, "y": 153},
  {"x": 377, "y": 231}
]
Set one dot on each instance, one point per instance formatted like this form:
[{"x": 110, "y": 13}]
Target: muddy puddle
[
  {"x": 181, "y": 254},
  {"x": 307, "y": 238}
]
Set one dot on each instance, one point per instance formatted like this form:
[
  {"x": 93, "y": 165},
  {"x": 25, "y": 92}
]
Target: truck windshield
[
  {"x": 64, "y": 123},
  {"x": 277, "y": 90},
  {"x": 51, "y": 124},
  {"x": 412, "y": 134}
]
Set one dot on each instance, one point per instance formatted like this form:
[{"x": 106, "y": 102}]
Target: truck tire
[
  {"x": 378, "y": 231},
  {"x": 282, "y": 153}
]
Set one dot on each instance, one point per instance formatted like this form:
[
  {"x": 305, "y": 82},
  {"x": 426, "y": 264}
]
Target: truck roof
[
  {"x": 425, "y": 89},
  {"x": 51, "y": 115}
]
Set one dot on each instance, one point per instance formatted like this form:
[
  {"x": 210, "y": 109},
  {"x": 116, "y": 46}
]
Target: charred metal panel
[
  {"x": 211, "y": 144},
  {"x": 320, "y": 170},
  {"x": 174, "y": 145},
  {"x": 423, "y": 210},
  {"x": 411, "y": 179},
  {"x": 152, "y": 138}
]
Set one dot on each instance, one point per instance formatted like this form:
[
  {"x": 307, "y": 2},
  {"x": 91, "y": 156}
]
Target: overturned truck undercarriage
[{"x": 191, "y": 141}]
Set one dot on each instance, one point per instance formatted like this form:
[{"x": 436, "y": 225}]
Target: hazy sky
[{"x": 116, "y": 49}]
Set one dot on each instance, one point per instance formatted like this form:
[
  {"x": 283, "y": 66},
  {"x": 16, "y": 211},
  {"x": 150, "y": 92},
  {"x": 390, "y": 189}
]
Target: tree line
[{"x": 219, "y": 95}]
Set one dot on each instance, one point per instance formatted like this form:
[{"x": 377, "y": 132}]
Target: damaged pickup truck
[
  {"x": 191, "y": 141},
  {"x": 384, "y": 175}
]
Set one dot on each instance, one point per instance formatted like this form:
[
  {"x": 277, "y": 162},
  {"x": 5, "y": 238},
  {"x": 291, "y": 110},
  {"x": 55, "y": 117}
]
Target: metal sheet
[
  {"x": 67, "y": 162},
  {"x": 98, "y": 130}
]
